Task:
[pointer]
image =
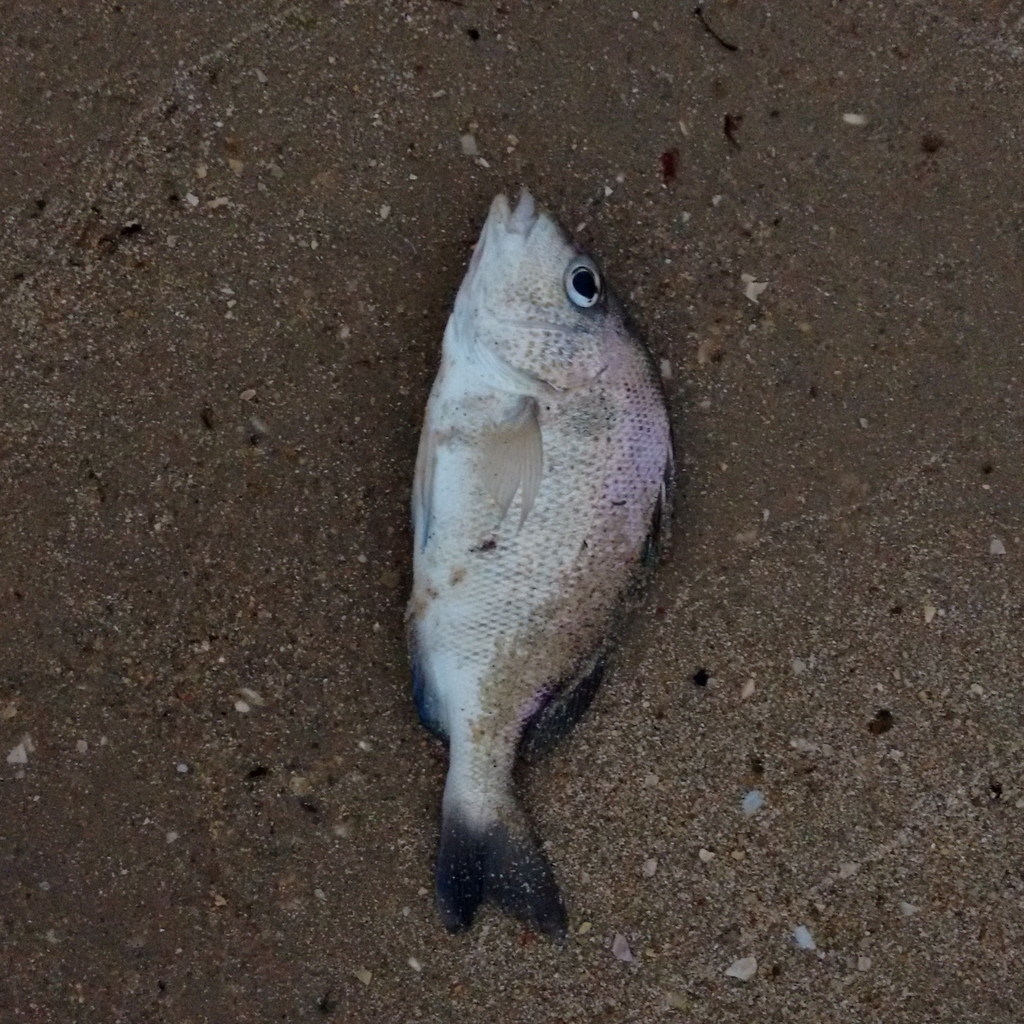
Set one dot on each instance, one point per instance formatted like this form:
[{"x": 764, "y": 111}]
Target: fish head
[{"x": 533, "y": 311}]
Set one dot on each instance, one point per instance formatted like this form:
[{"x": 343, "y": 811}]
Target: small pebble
[
  {"x": 171, "y": 241},
  {"x": 908, "y": 909},
  {"x": 415, "y": 964},
  {"x": 678, "y": 1001},
  {"x": 172, "y": 836},
  {"x": 251, "y": 696},
  {"x": 182, "y": 769},
  {"x": 748, "y": 689},
  {"x": 799, "y": 666},
  {"x": 803, "y": 937},
  {"x": 320, "y": 894},
  {"x": 650, "y": 867},
  {"x": 752, "y": 288},
  {"x": 469, "y": 146},
  {"x": 584, "y": 928},
  {"x": 248, "y": 395},
  {"x": 743, "y": 969},
  {"x": 929, "y": 613},
  {"x": 82, "y": 746},
  {"x": 857, "y": 120},
  {"x": 385, "y": 212},
  {"x": 978, "y": 689},
  {"x": 192, "y": 199},
  {"x": 848, "y": 869},
  {"x": 364, "y": 975},
  {"x": 666, "y": 370},
  {"x": 753, "y": 802},
  {"x": 620, "y": 948},
  {"x": 242, "y": 707},
  {"x": 997, "y": 547},
  {"x": 863, "y": 963},
  {"x": 706, "y": 856}
]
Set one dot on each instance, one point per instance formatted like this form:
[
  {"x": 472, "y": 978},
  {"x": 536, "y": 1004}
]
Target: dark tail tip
[{"x": 501, "y": 862}]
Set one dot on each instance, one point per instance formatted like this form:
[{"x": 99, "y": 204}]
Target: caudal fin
[{"x": 499, "y": 860}]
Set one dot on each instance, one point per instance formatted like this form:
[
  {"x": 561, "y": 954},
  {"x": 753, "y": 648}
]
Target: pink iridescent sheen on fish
[{"x": 543, "y": 479}]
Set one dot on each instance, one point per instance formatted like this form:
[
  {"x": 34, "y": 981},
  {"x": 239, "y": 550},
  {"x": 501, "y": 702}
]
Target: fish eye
[{"x": 583, "y": 282}]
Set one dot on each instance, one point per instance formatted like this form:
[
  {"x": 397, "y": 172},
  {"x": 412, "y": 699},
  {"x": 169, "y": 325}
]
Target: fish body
[{"x": 544, "y": 470}]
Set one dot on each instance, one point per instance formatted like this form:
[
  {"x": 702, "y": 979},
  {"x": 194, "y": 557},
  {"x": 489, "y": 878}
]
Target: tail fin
[{"x": 500, "y": 860}]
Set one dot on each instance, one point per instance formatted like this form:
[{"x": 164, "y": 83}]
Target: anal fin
[{"x": 427, "y": 703}]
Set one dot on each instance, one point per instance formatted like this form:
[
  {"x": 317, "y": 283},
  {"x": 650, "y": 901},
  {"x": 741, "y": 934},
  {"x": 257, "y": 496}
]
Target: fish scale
[{"x": 545, "y": 461}]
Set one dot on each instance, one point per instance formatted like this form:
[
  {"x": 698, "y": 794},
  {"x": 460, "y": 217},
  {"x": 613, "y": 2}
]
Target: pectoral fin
[{"x": 513, "y": 459}]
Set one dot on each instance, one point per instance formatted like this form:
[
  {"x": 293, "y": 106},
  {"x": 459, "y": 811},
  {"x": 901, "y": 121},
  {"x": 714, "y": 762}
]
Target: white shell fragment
[
  {"x": 997, "y": 547},
  {"x": 803, "y": 937},
  {"x": 857, "y": 120},
  {"x": 929, "y": 613},
  {"x": 743, "y": 969},
  {"x": 18, "y": 755},
  {"x": 469, "y": 146},
  {"x": 753, "y": 802},
  {"x": 752, "y": 288}
]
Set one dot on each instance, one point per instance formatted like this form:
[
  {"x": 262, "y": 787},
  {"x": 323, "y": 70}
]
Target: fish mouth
[
  {"x": 521, "y": 220},
  {"x": 502, "y": 218}
]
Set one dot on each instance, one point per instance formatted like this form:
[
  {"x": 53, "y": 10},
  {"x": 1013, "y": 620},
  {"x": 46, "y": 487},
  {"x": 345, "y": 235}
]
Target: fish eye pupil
[{"x": 584, "y": 284}]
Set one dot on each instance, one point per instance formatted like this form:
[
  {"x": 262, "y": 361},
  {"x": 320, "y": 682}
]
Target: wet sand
[{"x": 230, "y": 239}]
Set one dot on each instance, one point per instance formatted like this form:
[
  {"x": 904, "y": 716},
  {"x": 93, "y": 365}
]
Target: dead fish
[{"x": 543, "y": 477}]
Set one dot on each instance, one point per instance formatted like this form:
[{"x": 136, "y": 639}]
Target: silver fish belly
[{"x": 543, "y": 474}]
